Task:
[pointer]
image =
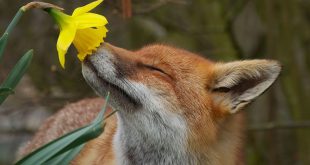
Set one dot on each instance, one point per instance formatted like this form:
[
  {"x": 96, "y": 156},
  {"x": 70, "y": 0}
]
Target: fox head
[{"x": 172, "y": 100}]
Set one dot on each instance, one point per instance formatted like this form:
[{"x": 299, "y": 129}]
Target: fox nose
[
  {"x": 113, "y": 61},
  {"x": 116, "y": 51},
  {"x": 121, "y": 59}
]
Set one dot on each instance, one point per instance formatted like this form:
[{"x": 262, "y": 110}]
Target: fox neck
[
  {"x": 152, "y": 139},
  {"x": 149, "y": 137}
]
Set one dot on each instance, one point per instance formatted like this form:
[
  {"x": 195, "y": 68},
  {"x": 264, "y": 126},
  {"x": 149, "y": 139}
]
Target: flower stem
[
  {"x": 14, "y": 21},
  {"x": 40, "y": 5},
  {"x": 5, "y": 36},
  {"x": 18, "y": 15},
  {"x": 31, "y": 5}
]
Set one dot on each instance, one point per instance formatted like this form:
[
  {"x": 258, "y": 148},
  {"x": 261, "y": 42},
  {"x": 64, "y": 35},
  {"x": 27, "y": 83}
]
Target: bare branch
[{"x": 127, "y": 9}]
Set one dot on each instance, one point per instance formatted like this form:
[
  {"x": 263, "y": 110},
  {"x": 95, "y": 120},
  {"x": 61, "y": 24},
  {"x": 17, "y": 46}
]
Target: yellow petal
[
  {"x": 86, "y": 8},
  {"x": 88, "y": 20},
  {"x": 61, "y": 57},
  {"x": 65, "y": 39},
  {"x": 87, "y": 40}
]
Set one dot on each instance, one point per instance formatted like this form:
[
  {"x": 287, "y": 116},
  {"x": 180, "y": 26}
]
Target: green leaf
[
  {"x": 56, "y": 149},
  {"x": 6, "y": 91},
  {"x": 16, "y": 74},
  {"x": 66, "y": 157},
  {"x": 3, "y": 42},
  {"x": 14, "y": 21}
]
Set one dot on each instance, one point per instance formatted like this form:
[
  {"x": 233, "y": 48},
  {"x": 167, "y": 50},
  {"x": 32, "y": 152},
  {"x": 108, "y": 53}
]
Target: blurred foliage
[
  {"x": 8, "y": 85},
  {"x": 217, "y": 29}
]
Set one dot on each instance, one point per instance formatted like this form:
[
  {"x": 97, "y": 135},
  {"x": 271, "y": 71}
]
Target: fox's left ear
[{"x": 238, "y": 83}]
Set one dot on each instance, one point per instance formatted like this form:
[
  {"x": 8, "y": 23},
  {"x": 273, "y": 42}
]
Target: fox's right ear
[{"x": 238, "y": 83}]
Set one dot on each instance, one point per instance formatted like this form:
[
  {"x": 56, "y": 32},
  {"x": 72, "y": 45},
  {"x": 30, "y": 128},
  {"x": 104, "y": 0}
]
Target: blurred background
[{"x": 278, "y": 127}]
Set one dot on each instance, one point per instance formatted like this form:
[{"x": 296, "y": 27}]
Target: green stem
[
  {"x": 15, "y": 20},
  {"x": 5, "y": 36},
  {"x": 22, "y": 10}
]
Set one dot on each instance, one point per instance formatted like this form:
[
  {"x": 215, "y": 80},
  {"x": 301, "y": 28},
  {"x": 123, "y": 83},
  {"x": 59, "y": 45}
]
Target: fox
[{"x": 173, "y": 107}]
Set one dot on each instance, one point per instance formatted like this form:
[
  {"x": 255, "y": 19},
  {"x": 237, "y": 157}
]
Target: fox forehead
[
  {"x": 175, "y": 57},
  {"x": 179, "y": 64}
]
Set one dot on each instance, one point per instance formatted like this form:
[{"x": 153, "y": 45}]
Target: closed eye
[{"x": 154, "y": 68}]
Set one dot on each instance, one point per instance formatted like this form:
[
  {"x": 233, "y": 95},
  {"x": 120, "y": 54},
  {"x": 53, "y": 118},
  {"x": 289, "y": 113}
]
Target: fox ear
[{"x": 238, "y": 83}]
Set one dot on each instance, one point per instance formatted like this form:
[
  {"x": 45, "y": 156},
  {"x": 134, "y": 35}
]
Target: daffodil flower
[{"x": 84, "y": 29}]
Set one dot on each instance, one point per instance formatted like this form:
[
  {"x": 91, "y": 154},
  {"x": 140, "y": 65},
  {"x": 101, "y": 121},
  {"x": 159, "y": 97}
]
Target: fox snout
[{"x": 101, "y": 72}]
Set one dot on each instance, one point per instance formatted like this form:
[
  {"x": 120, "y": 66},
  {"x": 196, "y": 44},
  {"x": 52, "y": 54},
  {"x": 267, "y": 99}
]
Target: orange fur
[{"x": 204, "y": 93}]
